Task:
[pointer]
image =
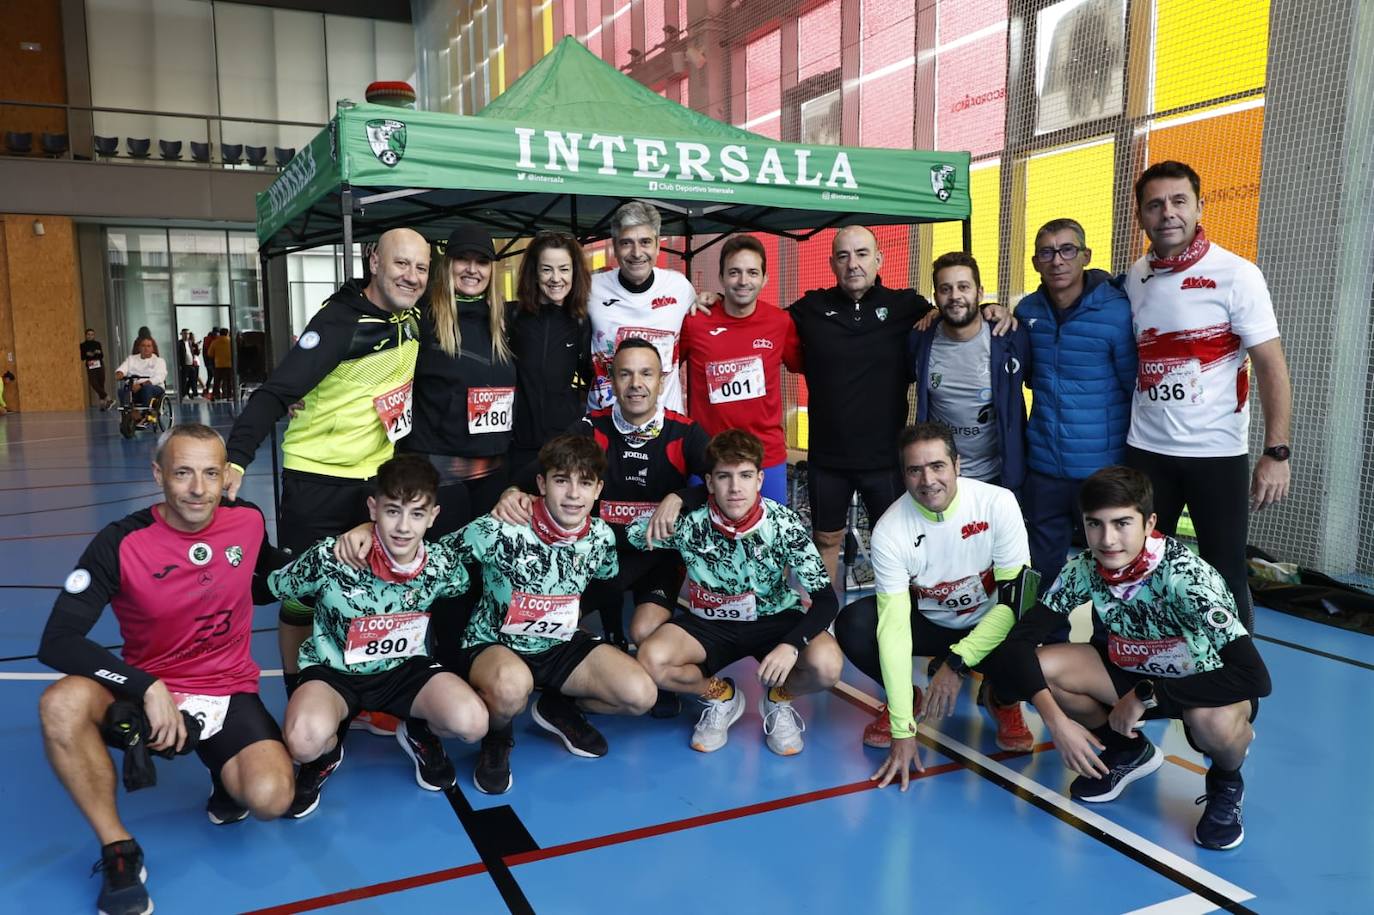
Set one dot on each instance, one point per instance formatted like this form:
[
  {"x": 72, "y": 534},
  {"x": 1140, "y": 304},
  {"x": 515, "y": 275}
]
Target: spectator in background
[
  {"x": 93, "y": 357},
  {"x": 222, "y": 350},
  {"x": 188, "y": 364},
  {"x": 206, "y": 346},
  {"x": 144, "y": 334}
]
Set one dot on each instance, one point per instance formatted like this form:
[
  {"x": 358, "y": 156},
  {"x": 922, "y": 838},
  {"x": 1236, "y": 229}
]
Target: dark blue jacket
[
  {"x": 1085, "y": 371},
  {"x": 1011, "y": 358}
]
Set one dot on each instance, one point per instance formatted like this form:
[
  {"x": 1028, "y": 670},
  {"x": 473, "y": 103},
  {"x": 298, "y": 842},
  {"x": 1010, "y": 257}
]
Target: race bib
[
  {"x": 665, "y": 341},
  {"x": 1156, "y": 657},
  {"x": 490, "y": 410},
  {"x": 731, "y": 380},
  {"x": 729, "y": 608},
  {"x": 1172, "y": 383},
  {"x": 92, "y": 363},
  {"x": 385, "y": 637},
  {"x": 210, "y": 711},
  {"x": 549, "y": 616},
  {"x": 394, "y": 410},
  {"x": 958, "y": 597},
  {"x": 625, "y": 512}
]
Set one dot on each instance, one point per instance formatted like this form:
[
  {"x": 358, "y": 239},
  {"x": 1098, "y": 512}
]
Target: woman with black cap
[{"x": 464, "y": 395}]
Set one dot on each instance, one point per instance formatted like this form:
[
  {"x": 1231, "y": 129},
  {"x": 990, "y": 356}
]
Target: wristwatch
[
  {"x": 1145, "y": 692},
  {"x": 956, "y": 663},
  {"x": 1278, "y": 452}
]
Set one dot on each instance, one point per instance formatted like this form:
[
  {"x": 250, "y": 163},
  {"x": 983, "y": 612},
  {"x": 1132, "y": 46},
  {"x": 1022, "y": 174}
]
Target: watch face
[{"x": 1278, "y": 452}]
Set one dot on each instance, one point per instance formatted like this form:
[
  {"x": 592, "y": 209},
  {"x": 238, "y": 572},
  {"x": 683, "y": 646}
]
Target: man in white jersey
[
  {"x": 638, "y": 300},
  {"x": 1201, "y": 315},
  {"x": 958, "y": 546}
]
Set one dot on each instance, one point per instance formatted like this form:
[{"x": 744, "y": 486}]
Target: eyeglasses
[{"x": 1068, "y": 252}]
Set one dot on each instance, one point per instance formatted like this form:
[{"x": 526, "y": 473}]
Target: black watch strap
[
  {"x": 1278, "y": 452},
  {"x": 956, "y": 663}
]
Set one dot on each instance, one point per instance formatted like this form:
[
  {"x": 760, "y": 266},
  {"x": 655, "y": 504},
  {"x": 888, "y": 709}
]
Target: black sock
[
  {"x": 1218, "y": 774},
  {"x": 1114, "y": 741},
  {"x": 290, "y": 681},
  {"x": 418, "y": 728}
]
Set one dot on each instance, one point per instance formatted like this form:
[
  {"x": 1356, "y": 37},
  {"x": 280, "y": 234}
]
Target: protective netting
[{"x": 1062, "y": 104}]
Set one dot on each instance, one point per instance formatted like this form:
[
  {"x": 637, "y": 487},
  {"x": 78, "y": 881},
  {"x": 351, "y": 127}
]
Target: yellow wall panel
[
  {"x": 984, "y": 189},
  {"x": 1205, "y": 49},
  {"x": 1076, "y": 183}
]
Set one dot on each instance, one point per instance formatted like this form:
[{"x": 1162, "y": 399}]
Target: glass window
[
  {"x": 1080, "y": 53},
  {"x": 199, "y": 268},
  {"x": 140, "y": 286},
  {"x": 277, "y": 61}
]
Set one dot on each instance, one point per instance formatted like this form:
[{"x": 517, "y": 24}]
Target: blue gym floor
[{"x": 655, "y": 827}]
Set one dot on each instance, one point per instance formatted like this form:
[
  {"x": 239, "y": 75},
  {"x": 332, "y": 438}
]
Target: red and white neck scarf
[
  {"x": 1185, "y": 258},
  {"x": 550, "y": 531},
  {"x": 1127, "y": 580},
  {"x": 636, "y": 435},
  {"x": 734, "y": 530},
  {"x": 385, "y": 567}
]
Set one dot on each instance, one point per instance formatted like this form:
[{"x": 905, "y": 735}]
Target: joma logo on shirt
[
  {"x": 1198, "y": 282},
  {"x": 664, "y": 301},
  {"x": 973, "y": 528}
]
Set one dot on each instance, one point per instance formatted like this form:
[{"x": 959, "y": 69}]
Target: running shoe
[
  {"x": 712, "y": 728},
  {"x": 433, "y": 769},
  {"x": 221, "y": 807},
  {"x": 1125, "y": 767},
  {"x": 782, "y": 726},
  {"x": 122, "y": 889},
  {"x": 561, "y": 717},
  {"x": 667, "y": 705},
  {"x": 1221, "y": 826},
  {"x": 492, "y": 775},
  {"x": 1012, "y": 733},
  {"x": 878, "y": 732},
  {"x": 379, "y": 723},
  {"x": 310, "y": 779}
]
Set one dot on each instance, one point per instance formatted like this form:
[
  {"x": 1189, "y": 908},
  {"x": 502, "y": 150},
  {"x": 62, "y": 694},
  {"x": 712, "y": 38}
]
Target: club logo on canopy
[
  {"x": 387, "y": 139},
  {"x": 941, "y": 180}
]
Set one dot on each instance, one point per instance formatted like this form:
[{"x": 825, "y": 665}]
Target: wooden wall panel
[
  {"x": 32, "y": 76},
  {"x": 7, "y": 358},
  {"x": 44, "y": 292}
]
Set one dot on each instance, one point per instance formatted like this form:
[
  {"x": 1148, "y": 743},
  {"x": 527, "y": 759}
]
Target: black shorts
[
  {"x": 246, "y": 722},
  {"x": 551, "y": 667},
  {"x": 391, "y": 691},
  {"x": 725, "y": 643},
  {"x": 313, "y": 507},
  {"x": 653, "y": 577},
  {"x": 1123, "y": 681},
  {"x": 830, "y": 490}
]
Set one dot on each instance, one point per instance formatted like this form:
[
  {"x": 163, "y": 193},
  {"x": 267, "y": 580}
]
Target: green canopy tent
[{"x": 569, "y": 142}]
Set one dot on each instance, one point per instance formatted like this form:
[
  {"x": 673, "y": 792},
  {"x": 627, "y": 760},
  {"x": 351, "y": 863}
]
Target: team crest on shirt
[
  {"x": 1219, "y": 618},
  {"x": 765, "y": 343},
  {"x": 882, "y": 314},
  {"x": 935, "y": 379},
  {"x": 200, "y": 553},
  {"x": 234, "y": 554}
]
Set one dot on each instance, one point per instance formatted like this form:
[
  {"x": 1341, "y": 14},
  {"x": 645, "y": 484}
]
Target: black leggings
[
  {"x": 1217, "y": 493},
  {"x": 856, "y": 629}
]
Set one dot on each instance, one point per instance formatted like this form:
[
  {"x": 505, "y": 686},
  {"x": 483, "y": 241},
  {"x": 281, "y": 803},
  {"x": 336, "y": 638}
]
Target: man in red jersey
[
  {"x": 734, "y": 356},
  {"x": 179, "y": 576}
]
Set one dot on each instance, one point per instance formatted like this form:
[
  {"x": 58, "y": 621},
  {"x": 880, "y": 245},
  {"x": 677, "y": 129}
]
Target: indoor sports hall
[{"x": 215, "y": 170}]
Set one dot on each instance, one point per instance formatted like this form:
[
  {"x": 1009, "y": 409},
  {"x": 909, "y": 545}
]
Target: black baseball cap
[{"x": 470, "y": 239}]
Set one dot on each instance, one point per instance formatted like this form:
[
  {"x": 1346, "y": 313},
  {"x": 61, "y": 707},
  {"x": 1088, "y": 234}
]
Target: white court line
[
  {"x": 1191, "y": 904},
  {"x": 1055, "y": 799}
]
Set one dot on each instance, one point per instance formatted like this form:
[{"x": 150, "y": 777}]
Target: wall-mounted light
[{"x": 38, "y": 227}]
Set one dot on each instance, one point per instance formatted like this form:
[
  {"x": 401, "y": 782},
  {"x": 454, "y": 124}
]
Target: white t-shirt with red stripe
[
  {"x": 1192, "y": 330},
  {"x": 655, "y": 315}
]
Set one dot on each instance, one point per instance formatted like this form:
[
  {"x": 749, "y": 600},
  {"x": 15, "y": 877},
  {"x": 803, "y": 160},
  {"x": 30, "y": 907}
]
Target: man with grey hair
[
  {"x": 1083, "y": 353},
  {"x": 638, "y": 300}
]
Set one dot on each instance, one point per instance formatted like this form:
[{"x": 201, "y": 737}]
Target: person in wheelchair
[{"x": 141, "y": 378}]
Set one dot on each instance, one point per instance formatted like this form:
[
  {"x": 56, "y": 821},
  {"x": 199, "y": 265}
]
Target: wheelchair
[{"x": 132, "y": 417}]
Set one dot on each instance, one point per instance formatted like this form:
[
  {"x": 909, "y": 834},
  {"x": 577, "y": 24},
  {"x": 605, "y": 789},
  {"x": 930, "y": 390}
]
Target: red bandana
[
  {"x": 1125, "y": 581},
  {"x": 1185, "y": 258},
  {"x": 734, "y": 530},
  {"x": 384, "y": 567},
  {"x": 550, "y": 531}
]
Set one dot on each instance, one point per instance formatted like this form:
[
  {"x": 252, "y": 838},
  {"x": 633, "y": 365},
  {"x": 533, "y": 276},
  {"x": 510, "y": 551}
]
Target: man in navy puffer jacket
[{"x": 1084, "y": 370}]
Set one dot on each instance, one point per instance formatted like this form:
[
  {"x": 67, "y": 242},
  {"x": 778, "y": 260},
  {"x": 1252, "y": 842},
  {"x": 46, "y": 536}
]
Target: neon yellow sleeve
[
  {"x": 991, "y": 629},
  {"x": 894, "y": 657}
]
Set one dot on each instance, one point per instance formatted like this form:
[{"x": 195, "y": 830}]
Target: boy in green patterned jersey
[
  {"x": 739, "y": 549},
  {"x": 1173, "y": 648},
  {"x": 367, "y": 647},
  {"x": 523, "y": 634}
]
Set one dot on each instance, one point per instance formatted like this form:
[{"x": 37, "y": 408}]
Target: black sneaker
[
  {"x": 1221, "y": 826},
  {"x": 1126, "y": 766},
  {"x": 433, "y": 768},
  {"x": 221, "y": 808},
  {"x": 492, "y": 775},
  {"x": 561, "y": 717},
  {"x": 667, "y": 705},
  {"x": 310, "y": 779},
  {"x": 122, "y": 890}
]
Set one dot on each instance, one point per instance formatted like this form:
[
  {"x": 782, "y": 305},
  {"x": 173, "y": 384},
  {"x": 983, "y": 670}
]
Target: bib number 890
[
  {"x": 385, "y": 646},
  {"x": 1167, "y": 392}
]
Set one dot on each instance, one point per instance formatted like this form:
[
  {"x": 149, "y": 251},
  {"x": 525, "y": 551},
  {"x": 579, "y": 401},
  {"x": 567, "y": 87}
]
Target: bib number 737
[{"x": 546, "y": 616}]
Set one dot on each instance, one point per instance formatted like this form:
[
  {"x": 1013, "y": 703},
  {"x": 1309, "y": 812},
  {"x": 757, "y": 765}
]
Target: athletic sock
[
  {"x": 779, "y": 694},
  {"x": 1218, "y": 774},
  {"x": 1114, "y": 741},
  {"x": 290, "y": 681}
]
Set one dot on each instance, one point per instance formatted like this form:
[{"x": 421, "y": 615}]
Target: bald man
[{"x": 352, "y": 368}]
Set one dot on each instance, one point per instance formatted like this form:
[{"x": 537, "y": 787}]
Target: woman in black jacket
[{"x": 552, "y": 342}]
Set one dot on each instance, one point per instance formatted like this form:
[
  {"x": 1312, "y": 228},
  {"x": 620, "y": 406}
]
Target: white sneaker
[
  {"x": 712, "y": 728},
  {"x": 782, "y": 726}
]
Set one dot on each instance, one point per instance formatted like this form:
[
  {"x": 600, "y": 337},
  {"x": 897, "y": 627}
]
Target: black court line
[
  {"x": 94, "y": 483},
  {"x": 69, "y": 508},
  {"x": 34, "y": 657},
  {"x": 32, "y": 587},
  {"x": 1318, "y": 652},
  {"x": 496, "y": 832}
]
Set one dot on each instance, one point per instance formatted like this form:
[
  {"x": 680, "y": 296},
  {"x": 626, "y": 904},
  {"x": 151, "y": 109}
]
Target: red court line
[{"x": 376, "y": 889}]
